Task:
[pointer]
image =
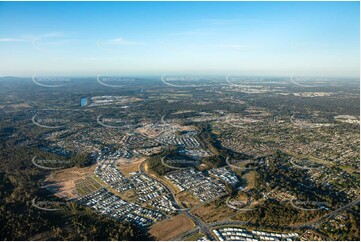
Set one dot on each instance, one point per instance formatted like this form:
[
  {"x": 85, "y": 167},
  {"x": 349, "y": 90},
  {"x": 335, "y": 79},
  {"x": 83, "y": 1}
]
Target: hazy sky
[{"x": 254, "y": 38}]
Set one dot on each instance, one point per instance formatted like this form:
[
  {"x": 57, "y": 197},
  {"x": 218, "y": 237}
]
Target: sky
[{"x": 115, "y": 38}]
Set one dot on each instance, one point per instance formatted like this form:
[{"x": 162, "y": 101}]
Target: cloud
[
  {"x": 116, "y": 42},
  {"x": 41, "y": 42},
  {"x": 121, "y": 41},
  {"x": 54, "y": 39},
  {"x": 12, "y": 40}
]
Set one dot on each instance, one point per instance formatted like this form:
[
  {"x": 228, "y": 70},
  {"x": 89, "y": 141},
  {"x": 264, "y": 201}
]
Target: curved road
[
  {"x": 205, "y": 228},
  {"x": 310, "y": 225},
  {"x": 197, "y": 221}
]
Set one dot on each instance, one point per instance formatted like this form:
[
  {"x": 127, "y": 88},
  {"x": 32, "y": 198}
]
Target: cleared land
[
  {"x": 187, "y": 200},
  {"x": 171, "y": 228},
  {"x": 251, "y": 179},
  {"x": 63, "y": 183},
  {"x": 87, "y": 185},
  {"x": 128, "y": 168},
  {"x": 212, "y": 212}
]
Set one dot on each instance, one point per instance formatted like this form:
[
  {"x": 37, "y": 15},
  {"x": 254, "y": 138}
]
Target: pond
[{"x": 83, "y": 101}]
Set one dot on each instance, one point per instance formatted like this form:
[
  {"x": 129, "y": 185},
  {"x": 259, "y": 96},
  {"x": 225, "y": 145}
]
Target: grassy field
[
  {"x": 194, "y": 237},
  {"x": 187, "y": 199},
  {"x": 212, "y": 212}
]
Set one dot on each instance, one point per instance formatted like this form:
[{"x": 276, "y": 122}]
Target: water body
[{"x": 83, "y": 101}]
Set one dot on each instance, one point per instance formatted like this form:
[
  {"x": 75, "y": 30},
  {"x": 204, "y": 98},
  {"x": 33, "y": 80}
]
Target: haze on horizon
[{"x": 253, "y": 38}]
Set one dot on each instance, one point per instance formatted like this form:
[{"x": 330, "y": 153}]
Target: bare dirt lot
[
  {"x": 63, "y": 183},
  {"x": 128, "y": 168},
  {"x": 171, "y": 228},
  {"x": 150, "y": 132},
  {"x": 251, "y": 179}
]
